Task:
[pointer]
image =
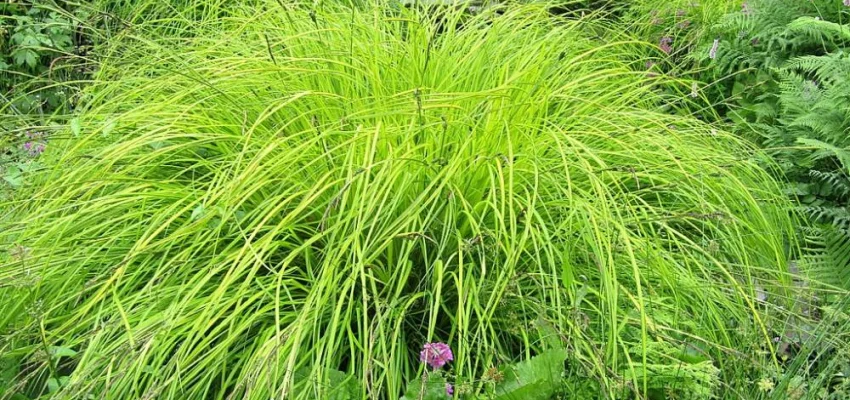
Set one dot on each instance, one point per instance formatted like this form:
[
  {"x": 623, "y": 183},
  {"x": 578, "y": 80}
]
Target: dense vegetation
[
  {"x": 346, "y": 200},
  {"x": 792, "y": 97}
]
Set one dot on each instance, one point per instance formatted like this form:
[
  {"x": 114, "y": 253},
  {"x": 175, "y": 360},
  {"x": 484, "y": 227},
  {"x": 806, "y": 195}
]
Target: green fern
[
  {"x": 793, "y": 97},
  {"x": 818, "y": 29},
  {"x": 832, "y": 264}
]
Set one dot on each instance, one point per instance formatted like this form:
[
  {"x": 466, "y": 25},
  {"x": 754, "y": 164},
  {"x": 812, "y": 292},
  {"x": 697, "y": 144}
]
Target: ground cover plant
[{"x": 335, "y": 201}]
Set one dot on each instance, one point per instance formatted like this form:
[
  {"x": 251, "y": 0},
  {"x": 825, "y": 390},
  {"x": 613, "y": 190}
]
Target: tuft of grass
[{"x": 301, "y": 191}]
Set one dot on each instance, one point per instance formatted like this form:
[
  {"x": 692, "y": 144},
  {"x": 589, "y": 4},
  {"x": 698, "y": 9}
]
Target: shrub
[
  {"x": 298, "y": 199},
  {"x": 44, "y": 59},
  {"x": 40, "y": 44}
]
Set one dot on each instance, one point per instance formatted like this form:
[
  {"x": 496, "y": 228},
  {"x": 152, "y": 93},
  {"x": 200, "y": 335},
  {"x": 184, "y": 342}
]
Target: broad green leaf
[
  {"x": 432, "y": 388},
  {"x": 537, "y": 378},
  {"x": 9, "y": 368},
  {"x": 13, "y": 181},
  {"x": 738, "y": 88},
  {"x": 198, "y": 212},
  {"x": 548, "y": 333},
  {"x": 334, "y": 385},
  {"x": 18, "y": 38},
  {"x": 53, "y": 384},
  {"x": 13, "y": 176},
  {"x": 76, "y": 128},
  {"x": 25, "y": 57},
  {"x": 59, "y": 351},
  {"x": 157, "y": 144},
  {"x": 108, "y": 127}
]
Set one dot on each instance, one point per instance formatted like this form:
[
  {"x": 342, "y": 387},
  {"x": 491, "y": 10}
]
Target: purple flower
[
  {"x": 712, "y": 54},
  {"x": 847, "y": 3},
  {"x": 34, "y": 149},
  {"x": 664, "y": 44},
  {"x": 436, "y": 354},
  {"x": 745, "y": 9},
  {"x": 450, "y": 390},
  {"x": 684, "y": 24},
  {"x": 681, "y": 13}
]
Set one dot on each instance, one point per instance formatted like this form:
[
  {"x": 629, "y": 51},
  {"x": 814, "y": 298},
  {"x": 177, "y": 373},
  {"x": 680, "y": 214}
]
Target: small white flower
[{"x": 712, "y": 54}]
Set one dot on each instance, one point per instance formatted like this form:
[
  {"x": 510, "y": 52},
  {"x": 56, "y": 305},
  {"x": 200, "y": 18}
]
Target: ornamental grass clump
[{"x": 298, "y": 199}]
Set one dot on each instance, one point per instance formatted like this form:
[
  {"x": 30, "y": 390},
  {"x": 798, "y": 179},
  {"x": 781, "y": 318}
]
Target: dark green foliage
[
  {"x": 339, "y": 385},
  {"x": 40, "y": 46},
  {"x": 789, "y": 91},
  {"x": 537, "y": 378},
  {"x": 432, "y": 386}
]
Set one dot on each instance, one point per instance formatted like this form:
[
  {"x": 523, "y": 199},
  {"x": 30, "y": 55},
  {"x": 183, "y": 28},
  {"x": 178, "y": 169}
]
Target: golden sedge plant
[{"x": 302, "y": 193}]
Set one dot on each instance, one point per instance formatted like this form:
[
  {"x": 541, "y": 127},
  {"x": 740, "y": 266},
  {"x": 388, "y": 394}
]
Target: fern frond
[
  {"x": 832, "y": 69},
  {"x": 831, "y": 263},
  {"x": 826, "y": 150},
  {"x": 819, "y": 29},
  {"x": 837, "y": 217},
  {"x": 839, "y": 181}
]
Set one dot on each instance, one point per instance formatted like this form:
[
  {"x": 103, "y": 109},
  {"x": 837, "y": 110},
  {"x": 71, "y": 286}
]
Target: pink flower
[
  {"x": 712, "y": 54},
  {"x": 664, "y": 44},
  {"x": 436, "y": 354},
  {"x": 450, "y": 390}
]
